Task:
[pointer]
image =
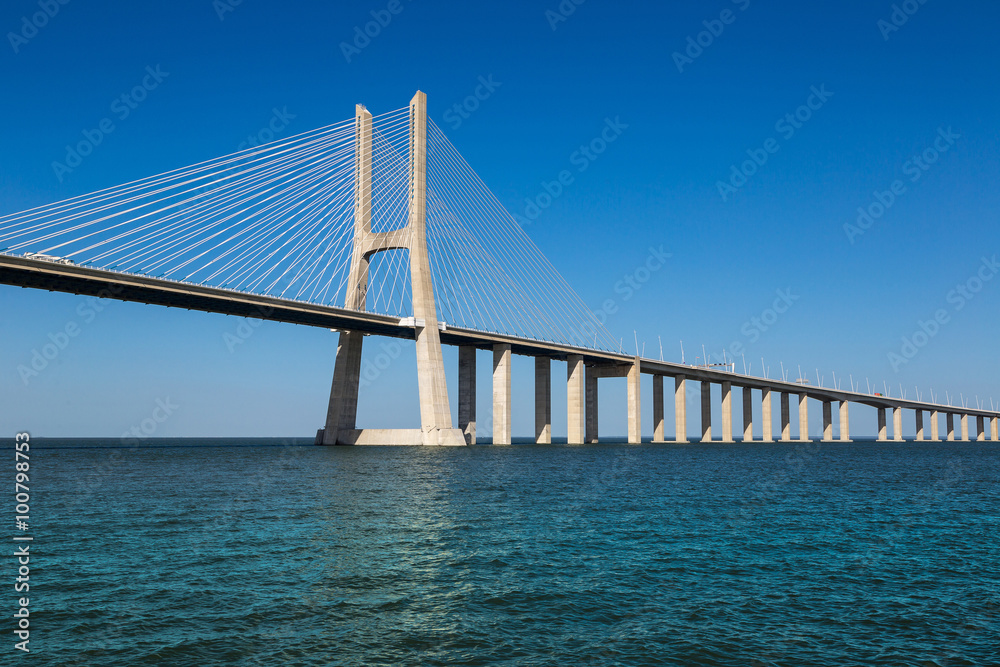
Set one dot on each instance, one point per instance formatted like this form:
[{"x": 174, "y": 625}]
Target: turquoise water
[{"x": 824, "y": 554}]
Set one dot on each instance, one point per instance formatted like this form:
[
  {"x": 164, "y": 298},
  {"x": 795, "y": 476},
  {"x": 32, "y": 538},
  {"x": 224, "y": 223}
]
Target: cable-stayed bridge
[{"x": 378, "y": 226}]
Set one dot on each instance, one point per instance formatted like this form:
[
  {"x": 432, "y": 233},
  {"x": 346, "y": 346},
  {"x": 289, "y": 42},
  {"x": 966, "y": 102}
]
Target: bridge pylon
[{"x": 435, "y": 413}]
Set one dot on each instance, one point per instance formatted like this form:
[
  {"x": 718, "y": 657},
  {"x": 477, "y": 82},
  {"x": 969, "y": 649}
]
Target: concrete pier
[
  {"x": 965, "y": 428},
  {"x": 766, "y": 420},
  {"x": 897, "y": 424},
  {"x": 706, "y": 411},
  {"x": 786, "y": 426},
  {"x": 919, "y": 418},
  {"x": 658, "y": 408},
  {"x": 881, "y": 425},
  {"x": 592, "y": 421},
  {"x": 980, "y": 429},
  {"x": 950, "y": 425},
  {"x": 634, "y": 404},
  {"x": 576, "y": 399},
  {"x": 827, "y": 421},
  {"x": 680, "y": 409},
  {"x": 467, "y": 392},
  {"x": 803, "y": 418},
  {"x": 747, "y": 415},
  {"x": 501, "y": 394},
  {"x": 995, "y": 429},
  {"x": 727, "y": 412},
  {"x": 845, "y": 422},
  {"x": 935, "y": 433},
  {"x": 543, "y": 401}
]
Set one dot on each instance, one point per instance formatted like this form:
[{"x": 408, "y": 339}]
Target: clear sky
[{"x": 833, "y": 101}]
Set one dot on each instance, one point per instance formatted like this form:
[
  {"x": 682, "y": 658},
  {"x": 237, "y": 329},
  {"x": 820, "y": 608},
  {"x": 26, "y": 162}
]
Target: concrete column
[
  {"x": 727, "y": 411},
  {"x": 965, "y": 428},
  {"x": 342, "y": 410},
  {"x": 435, "y": 414},
  {"x": 950, "y": 425},
  {"x": 786, "y": 421},
  {"x": 634, "y": 404},
  {"x": 920, "y": 425},
  {"x": 467, "y": 392},
  {"x": 881, "y": 425},
  {"x": 845, "y": 422},
  {"x": 980, "y": 429},
  {"x": 897, "y": 424},
  {"x": 501, "y": 394},
  {"x": 747, "y": 415},
  {"x": 706, "y": 411},
  {"x": 827, "y": 421},
  {"x": 591, "y": 430},
  {"x": 576, "y": 399},
  {"x": 658, "y": 408},
  {"x": 803, "y": 418},
  {"x": 935, "y": 434},
  {"x": 543, "y": 400},
  {"x": 766, "y": 420},
  {"x": 680, "y": 410},
  {"x": 995, "y": 429}
]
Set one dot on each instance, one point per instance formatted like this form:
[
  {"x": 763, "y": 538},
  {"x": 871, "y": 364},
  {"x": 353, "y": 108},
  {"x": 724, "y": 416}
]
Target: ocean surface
[{"x": 262, "y": 552}]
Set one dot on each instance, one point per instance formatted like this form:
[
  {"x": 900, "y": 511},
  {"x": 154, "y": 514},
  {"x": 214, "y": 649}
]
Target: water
[{"x": 794, "y": 554}]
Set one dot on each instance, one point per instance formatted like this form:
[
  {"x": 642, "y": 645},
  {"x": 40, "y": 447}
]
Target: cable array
[{"x": 278, "y": 220}]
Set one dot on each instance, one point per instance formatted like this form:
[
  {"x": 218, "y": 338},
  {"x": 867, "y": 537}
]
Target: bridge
[{"x": 377, "y": 226}]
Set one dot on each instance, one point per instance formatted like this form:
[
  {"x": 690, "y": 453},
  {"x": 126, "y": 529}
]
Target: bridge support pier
[
  {"x": 827, "y": 421},
  {"x": 747, "y": 415},
  {"x": 592, "y": 421},
  {"x": 995, "y": 428},
  {"x": 766, "y": 420},
  {"x": 467, "y": 392},
  {"x": 980, "y": 429},
  {"x": 576, "y": 399},
  {"x": 803, "y": 417},
  {"x": 935, "y": 433},
  {"x": 881, "y": 425},
  {"x": 727, "y": 411},
  {"x": 658, "y": 408},
  {"x": 949, "y": 419},
  {"x": 543, "y": 401},
  {"x": 680, "y": 409},
  {"x": 919, "y": 418},
  {"x": 845, "y": 422},
  {"x": 786, "y": 420},
  {"x": 897, "y": 424},
  {"x": 965, "y": 428},
  {"x": 706, "y": 411},
  {"x": 634, "y": 404},
  {"x": 501, "y": 394}
]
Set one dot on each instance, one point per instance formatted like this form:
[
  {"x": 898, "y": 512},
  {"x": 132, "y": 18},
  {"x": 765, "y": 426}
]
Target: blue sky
[{"x": 887, "y": 95}]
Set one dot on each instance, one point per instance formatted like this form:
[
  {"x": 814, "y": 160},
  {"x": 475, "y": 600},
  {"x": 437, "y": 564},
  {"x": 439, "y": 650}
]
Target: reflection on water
[{"x": 599, "y": 555}]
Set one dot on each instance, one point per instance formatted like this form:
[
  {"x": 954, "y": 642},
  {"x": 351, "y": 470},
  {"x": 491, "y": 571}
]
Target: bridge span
[
  {"x": 582, "y": 384},
  {"x": 377, "y": 227}
]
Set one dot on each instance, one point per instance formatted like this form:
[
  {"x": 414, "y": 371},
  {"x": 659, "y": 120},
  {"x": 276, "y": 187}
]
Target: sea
[{"x": 277, "y": 552}]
